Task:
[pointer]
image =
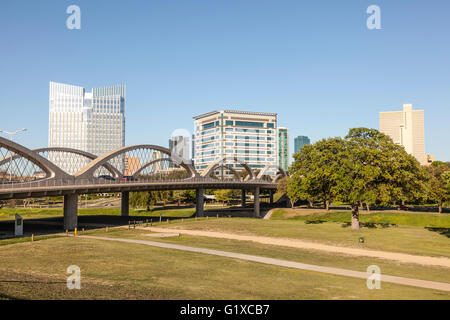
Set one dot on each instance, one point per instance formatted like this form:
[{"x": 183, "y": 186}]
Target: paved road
[
  {"x": 284, "y": 263},
  {"x": 300, "y": 244}
]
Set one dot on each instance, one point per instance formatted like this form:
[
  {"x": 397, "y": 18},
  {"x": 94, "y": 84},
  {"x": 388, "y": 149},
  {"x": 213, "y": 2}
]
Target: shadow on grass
[
  {"x": 6, "y": 297},
  {"x": 315, "y": 221},
  {"x": 370, "y": 225},
  {"x": 442, "y": 231},
  {"x": 27, "y": 281}
]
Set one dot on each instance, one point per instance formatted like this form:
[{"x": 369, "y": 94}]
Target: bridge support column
[
  {"x": 70, "y": 211},
  {"x": 199, "y": 203},
  {"x": 243, "y": 198},
  {"x": 271, "y": 196},
  {"x": 256, "y": 211},
  {"x": 125, "y": 204}
]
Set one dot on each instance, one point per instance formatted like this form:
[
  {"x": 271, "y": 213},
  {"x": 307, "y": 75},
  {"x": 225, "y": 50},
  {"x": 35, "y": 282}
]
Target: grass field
[
  {"x": 292, "y": 254},
  {"x": 111, "y": 270},
  {"x": 35, "y": 213},
  {"x": 431, "y": 220},
  {"x": 402, "y": 238}
]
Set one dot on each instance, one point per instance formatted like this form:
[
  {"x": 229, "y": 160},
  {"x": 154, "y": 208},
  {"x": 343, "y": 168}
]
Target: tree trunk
[
  {"x": 368, "y": 207},
  {"x": 355, "y": 216},
  {"x": 327, "y": 205},
  {"x": 440, "y": 207},
  {"x": 292, "y": 204},
  {"x": 310, "y": 204}
]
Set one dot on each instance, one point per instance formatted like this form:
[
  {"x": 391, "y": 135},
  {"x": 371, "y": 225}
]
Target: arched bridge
[{"x": 57, "y": 171}]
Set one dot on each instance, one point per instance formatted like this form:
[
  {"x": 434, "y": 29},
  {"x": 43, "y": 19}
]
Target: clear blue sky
[{"x": 313, "y": 62}]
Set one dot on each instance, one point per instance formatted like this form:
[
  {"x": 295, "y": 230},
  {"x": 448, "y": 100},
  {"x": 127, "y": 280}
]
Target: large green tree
[
  {"x": 438, "y": 190},
  {"x": 226, "y": 195},
  {"x": 364, "y": 167},
  {"x": 369, "y": 164},
  {"x": 446, "y": 177},
  {"x": 316, "y": 166}
]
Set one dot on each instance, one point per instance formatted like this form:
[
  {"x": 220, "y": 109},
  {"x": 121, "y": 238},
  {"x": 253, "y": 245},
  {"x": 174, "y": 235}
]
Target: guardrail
[{"x": 48, "y": 183}]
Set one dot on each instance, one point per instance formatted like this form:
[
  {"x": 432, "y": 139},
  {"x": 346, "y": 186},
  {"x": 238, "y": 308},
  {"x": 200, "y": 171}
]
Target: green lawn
[
  {"x": 432, "y": 273},
  {"x": 35, "y": 213},
  {"x": 111, "y": 270},
  {"x": 399, "y": 218},
  {"x": 402, "y": 238}
]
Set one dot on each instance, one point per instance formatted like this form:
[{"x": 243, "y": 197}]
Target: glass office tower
[
  {"x": 249, "y": 136},
  {"x": 299, "y": 142},
  {"x": 89, "y": 121},
  {"x": 283, "y": 148}
]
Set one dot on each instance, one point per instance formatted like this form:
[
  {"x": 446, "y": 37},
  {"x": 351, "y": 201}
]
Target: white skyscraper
[
  {"x": 406, "y": 128},
  {"x": 89, "y": 121}
]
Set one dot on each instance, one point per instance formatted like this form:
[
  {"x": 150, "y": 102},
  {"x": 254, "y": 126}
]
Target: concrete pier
[
  {"x": 256, "y": 210},
  {"x": 125, "y": 204},
  {"x": 199, "y": 203},
  {"x": 70, "y": 211},
  {"x": 243, "y": 199}
]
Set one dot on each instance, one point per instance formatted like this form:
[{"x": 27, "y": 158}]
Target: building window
[
  {"x": 249, "y": 124},
  {"x": 208, "y": 125}
]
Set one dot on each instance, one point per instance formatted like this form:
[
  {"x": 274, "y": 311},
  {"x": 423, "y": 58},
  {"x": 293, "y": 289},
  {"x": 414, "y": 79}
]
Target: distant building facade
[
  {"x": 406, "y": 128},
  {"x": 131, "y": 165},
  {"x": 429, "y": 159},
  {"x": 89, "y": 121},
  {"x": 179, "y": 147},
  {"x": 249, "y": 136},
  {"x": 283, "y": 148},
  {"x": 299, "y": 142}
]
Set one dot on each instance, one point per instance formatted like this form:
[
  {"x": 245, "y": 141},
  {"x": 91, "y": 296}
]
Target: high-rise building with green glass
[
  {"x": 283, "y": 148},
  {"x": 299, "y": 142}
]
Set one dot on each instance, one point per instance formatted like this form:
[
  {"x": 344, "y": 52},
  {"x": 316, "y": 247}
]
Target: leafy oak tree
[
  {"x": 369, "y": 164},
  {"x": 446, "y": 178},
  {"x": 226, "y": 195},
  {"x": 316, "y": 165},
  {"x": 438, "y": 190}
]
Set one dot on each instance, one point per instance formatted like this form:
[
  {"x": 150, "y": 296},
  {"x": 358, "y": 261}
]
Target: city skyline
[{"x": 322, "y": 76}]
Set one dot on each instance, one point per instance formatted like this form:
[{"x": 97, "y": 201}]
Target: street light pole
[{"x": 11, "y": 137}]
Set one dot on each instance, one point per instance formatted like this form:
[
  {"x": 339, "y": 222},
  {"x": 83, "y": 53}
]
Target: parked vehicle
[
  {"x": 128, "y": 178},
  {"x": 402, "y": 207},
  {"x": 106, "y": 177}
]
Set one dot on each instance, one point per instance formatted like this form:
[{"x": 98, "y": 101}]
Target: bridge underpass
[{"x": 46, "y": 172}]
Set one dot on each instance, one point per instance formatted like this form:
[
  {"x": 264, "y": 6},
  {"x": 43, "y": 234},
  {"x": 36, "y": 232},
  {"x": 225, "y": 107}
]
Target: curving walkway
[{"x": 300, "y": 244}]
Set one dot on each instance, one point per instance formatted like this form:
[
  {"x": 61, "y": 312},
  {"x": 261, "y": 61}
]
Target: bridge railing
[{"x": 48, "y": 183}]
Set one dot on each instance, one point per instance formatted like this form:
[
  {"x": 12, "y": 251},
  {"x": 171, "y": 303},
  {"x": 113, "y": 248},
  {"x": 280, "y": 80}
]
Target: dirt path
[
  {"x": 284, "y": 263},
  {"x": 300, "y": 244}
]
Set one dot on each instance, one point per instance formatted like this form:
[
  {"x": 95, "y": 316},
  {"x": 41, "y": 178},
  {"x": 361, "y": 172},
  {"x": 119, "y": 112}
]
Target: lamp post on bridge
[{"x": 11, "y": 137}]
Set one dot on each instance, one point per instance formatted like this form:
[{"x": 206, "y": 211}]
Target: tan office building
[{"x": 406, "y": 128}]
